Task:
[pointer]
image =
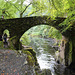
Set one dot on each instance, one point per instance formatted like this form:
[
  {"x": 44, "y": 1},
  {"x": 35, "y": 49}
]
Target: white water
[{"x": 44, "y": 57}]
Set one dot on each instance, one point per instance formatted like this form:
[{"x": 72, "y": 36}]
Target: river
[{"x": 45, "y": 56}]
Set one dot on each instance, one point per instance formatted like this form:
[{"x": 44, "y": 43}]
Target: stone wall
[
  {"x": 62, "y": 49},
  {"x": 64, "y": 54}
]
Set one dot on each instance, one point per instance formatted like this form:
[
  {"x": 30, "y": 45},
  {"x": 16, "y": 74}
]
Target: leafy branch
[
  {"x": 53, "y": 4},
  {"x": 13, "y": 5},
  {"x": 32, "y": 13},
  {"x": 24, "y": 10}
]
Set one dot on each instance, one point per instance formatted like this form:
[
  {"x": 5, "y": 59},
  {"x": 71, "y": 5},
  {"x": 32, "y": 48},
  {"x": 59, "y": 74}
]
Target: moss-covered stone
[
  {"x": 30, "y": 60},
  {"x": 15, "y": 43},
  {"x": 70, "y": 53},
  {"x": 1, "y": 44},
  {"x": 31, "y": 52},
  {"x": 18, "y": 26},
  {"x": 10, "y": 44},
  {"x": 26, "y": 52}
]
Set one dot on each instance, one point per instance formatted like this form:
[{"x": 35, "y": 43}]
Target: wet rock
[
  {"x": 57, "y": 58},
  {"x": 55, "y": 47},
  {"x": 30, "y": 51},
  {"x": 46, "y": 72}
]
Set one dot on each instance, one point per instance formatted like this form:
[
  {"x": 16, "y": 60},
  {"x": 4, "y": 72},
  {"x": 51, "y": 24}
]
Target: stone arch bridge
[{"x": 18, "y": 26}]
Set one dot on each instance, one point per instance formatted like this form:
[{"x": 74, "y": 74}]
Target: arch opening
[
  {"x": 43, "y": 31},
  {"x": 60, "y": 40}
]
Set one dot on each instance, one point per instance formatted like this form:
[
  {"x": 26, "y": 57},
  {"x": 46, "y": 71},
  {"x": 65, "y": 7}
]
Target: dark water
[{"x": 45, "y": 56}]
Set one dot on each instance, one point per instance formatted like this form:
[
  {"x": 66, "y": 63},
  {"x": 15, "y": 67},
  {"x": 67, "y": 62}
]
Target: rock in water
[{"x": 46, "y": 72}]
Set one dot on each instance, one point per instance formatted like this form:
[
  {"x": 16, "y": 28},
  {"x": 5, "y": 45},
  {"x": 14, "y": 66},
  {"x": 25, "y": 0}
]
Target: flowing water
[{"x": 45, "y": 56}]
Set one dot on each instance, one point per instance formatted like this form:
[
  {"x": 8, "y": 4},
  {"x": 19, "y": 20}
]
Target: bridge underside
[{"x": 18, "y": 26}]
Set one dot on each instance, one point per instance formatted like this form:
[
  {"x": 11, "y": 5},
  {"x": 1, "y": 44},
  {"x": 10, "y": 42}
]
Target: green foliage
[
  {"x": 1, "y": 45},
  {"x": 45, "y": 31},
  {"x": 54, "y": 33},
  {"x": 68, "y": 23},
  {"x": 47, "y": 7},
  {"x": 30, "y": 57},
  {"x": 30, "y": 61},
  {"x": 25, "y": 39},
  {"x": 41, "y": 30},
  {"x": 7, "y": 32},
  {"x": 70, "y": 52},
  {"x": 39, "y": 5},
  {"x": 12, "y": 8},
  {"x": 60, "y": 8},
  {"x": 52, "y": 7},
  {"x": 27, "y": 52}
]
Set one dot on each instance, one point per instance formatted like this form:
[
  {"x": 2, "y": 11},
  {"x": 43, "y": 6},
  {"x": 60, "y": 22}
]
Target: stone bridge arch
[
  {"x": 18, "y": 26},
  {"x": 62, "y": 46}
]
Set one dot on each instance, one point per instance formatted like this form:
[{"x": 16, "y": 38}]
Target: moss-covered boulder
[
  {"x": 30, "y": 59},
  {"x": 31, "y": 52}
]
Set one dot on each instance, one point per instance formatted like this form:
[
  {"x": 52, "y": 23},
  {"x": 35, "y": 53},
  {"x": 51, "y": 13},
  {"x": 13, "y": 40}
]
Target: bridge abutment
[
  {"x": 72, "y": 65},
  {"x": 15, "y": 43}
]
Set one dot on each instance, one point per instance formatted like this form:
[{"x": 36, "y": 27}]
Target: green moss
[
  {"x": 30, "y": 60},
  {"x": 12, "y": 38},
  {"x": 2, "y": 47},
  {"x": 70, "y": 52},
  {"x": 32, "y": 53},
  {"x": 26, "y": 52},
  {"x": 7, "y": 32},
  {"x": 11, "y": 44},
  {"x": 1, "y": 44}
]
